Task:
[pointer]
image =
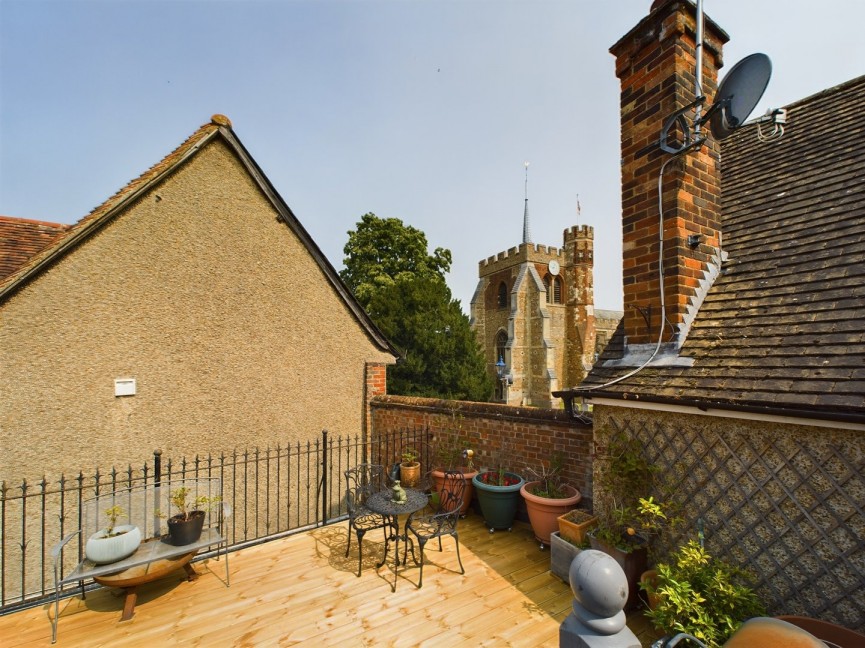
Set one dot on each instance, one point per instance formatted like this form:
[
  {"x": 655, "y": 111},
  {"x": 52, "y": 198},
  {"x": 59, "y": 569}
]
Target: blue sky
[{"x": 422, "y": 110}]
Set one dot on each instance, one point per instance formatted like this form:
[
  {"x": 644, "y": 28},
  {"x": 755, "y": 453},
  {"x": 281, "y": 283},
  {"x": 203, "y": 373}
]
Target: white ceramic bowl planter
[{"x": 102, "y": 549}]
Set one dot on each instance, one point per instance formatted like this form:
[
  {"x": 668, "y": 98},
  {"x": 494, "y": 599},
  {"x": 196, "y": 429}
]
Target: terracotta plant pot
[
  {"x": 649, "y": 583},
  {"x": 828, "y": 632},
  {"x": 544, "y": 512},
  {"x": 438, "y": 477},
  {"x": 409, "y": 474},
  {"x": 574, "y": 525}
]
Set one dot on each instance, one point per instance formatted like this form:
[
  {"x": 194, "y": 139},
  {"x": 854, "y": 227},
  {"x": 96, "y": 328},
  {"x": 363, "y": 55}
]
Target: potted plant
[
  {"x": 625, "y": 521},
  {"x": 114, "y": 542},
  {"x": 562, "y": 554},
  {"x": 498, "y": 495},
  {"x": 454, "y": 454},
  {"x": 409, "y": 468},
  {"x": 547, "y": 497},
  {"x": 703, "y": 596},
  {"x": 575, "y": 525},
  {"x": 185, "y": 527},
  {"x": 624, "y": 534}
]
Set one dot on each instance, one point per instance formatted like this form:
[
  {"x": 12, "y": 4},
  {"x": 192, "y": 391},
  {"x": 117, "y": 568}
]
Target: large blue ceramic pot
[{"x": 498, "y": 503}]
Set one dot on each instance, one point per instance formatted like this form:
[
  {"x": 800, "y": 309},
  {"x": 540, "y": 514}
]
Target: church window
[
  {"x": 553, "y": 286},
  {"x": 503, "y": 295}
]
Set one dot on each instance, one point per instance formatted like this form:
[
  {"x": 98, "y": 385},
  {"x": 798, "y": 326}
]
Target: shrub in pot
[
  {"x": 547, "y": 498},
  {"x": 114, "y": 542},
  {"x": 454, "y": 454},
  {"x": 624, "y": 534},
  {"x": 409, "y": 468},
  {"x": 185, "y": 527},
  {"x": 703, "y": 596}
]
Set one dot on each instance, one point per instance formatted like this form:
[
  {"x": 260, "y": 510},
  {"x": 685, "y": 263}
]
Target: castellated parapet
[
  {"x": 579, "y": 231},
  {"x": 523, "y": 253},
  {"x": 579, "y": 242}
]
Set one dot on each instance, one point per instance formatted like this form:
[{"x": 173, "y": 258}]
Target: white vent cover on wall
[{"x": 124, "y": 386}]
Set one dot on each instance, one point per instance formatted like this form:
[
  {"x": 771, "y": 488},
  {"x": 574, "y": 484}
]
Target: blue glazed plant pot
[{"x": 498, "y": 503}]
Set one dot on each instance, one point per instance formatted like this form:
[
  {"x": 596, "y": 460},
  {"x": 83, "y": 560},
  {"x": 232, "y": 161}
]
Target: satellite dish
[{"x": 738, "y": 94}]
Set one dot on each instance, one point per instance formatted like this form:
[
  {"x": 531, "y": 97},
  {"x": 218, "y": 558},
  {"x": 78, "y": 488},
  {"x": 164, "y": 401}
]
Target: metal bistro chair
[
  {"x": 361, "y": 482},
  {"x": 441, "y": 523}
]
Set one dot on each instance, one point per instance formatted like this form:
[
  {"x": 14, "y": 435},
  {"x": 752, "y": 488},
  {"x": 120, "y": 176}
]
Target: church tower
[{"x": 533, "y": 313}]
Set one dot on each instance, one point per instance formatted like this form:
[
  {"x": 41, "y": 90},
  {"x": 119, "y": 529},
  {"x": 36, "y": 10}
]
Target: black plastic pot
[{"x": 185, "y": 531}]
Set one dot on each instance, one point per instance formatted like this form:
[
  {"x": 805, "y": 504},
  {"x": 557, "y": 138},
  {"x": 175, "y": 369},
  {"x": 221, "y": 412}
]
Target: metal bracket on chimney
[{"x": 678, "y": 118}]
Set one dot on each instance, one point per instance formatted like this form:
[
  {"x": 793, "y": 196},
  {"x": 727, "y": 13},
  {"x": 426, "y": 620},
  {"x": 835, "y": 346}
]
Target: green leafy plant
[
  {"x": 630, "y": 527},
  {"x": 628, "y": 514},
  {"x": 113, "y": 514},
  {"x": 186, "y": 504},
  {"x": 409, "y": 456},
  {"x": 550, "y": 478},
  {"x": 704, "y": 596}
]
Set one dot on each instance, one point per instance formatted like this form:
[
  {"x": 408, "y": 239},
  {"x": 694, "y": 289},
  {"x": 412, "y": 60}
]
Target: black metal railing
[{"x": 271, "y": 493}]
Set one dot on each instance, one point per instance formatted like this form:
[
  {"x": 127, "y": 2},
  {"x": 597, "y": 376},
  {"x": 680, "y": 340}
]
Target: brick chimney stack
[{"x": 655, "y": 63}]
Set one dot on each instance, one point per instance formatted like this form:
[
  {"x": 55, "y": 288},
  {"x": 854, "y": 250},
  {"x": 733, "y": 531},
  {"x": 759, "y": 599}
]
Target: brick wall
[
  {"x": 655, "y": 63},
  {"x": 526, "y": 436}
]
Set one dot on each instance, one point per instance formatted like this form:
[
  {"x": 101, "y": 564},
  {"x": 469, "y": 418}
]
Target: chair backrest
[
  {"x": 362, "y": 481},
  {"x": 452, "y": 492}
]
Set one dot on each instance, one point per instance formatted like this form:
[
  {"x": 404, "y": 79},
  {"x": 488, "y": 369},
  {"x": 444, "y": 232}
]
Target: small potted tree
[
  {"x": 185, "y": 527},
  {"x": 703, "y": 596},
  {"x": 452, "y": 453},
  {"x": 547, "y": 497},
  {"x": 114, "y": 542},
  {"x": 628, "y": 515},
  {"x": 409, "y": 468}
]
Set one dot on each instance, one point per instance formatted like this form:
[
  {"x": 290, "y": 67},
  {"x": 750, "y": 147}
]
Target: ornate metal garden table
[{"x": 383, "y": 504}]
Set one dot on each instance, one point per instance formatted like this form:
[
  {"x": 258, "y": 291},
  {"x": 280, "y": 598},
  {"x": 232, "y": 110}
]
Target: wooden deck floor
[{"x": 302, "y": 590}]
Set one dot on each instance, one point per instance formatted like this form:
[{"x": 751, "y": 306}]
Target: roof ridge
[
  {"x": 32, "y": 221},
  {"x": 827, "y": 91}
]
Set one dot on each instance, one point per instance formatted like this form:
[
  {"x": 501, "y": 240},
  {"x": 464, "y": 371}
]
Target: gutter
[{"x": 855, "y": 420}]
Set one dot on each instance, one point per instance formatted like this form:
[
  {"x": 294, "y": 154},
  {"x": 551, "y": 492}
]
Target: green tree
[
  {"x": 441, "y": 357},
  {"x": 382, "y": 251},
  {"x": 403, "y": 289}
]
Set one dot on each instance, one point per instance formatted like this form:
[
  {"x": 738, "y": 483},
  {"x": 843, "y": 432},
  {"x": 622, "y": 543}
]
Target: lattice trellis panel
[{"x": 785, "y": 501}]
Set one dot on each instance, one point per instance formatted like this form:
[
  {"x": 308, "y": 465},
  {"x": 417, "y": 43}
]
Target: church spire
[{"x": 527, "y": 234}]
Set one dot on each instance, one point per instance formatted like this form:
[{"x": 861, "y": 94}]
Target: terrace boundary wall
[{"x": 520, "y": 437}]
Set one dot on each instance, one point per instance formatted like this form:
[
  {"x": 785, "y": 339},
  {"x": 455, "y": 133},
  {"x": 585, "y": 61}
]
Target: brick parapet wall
[{"x": 525, "y": 436}]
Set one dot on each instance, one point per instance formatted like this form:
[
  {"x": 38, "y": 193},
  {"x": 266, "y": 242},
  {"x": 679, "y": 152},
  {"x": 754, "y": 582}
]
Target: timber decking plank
[{"x": 303, "y": 590}]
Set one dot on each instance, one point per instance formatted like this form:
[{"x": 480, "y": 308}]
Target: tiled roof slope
[
  {"x": 783, "y": 327},
  {"x": 21, "y": 239}
]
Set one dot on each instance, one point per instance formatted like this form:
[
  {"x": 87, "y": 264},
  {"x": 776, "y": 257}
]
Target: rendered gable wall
[{"x": 227, "y": 323}]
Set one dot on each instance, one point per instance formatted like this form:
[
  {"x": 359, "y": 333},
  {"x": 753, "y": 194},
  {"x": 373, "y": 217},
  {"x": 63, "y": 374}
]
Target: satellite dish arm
[{"x": 678, "y": 117}]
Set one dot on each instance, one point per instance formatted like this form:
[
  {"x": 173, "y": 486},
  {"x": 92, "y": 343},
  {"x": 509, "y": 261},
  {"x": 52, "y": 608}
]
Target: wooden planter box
[
  {"x": 562, "y": 554},
  {"x": 573, "y": 525}
]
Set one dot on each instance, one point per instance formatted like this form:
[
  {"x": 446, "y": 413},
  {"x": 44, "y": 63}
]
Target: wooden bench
[{"x": 144, "y": 507}]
